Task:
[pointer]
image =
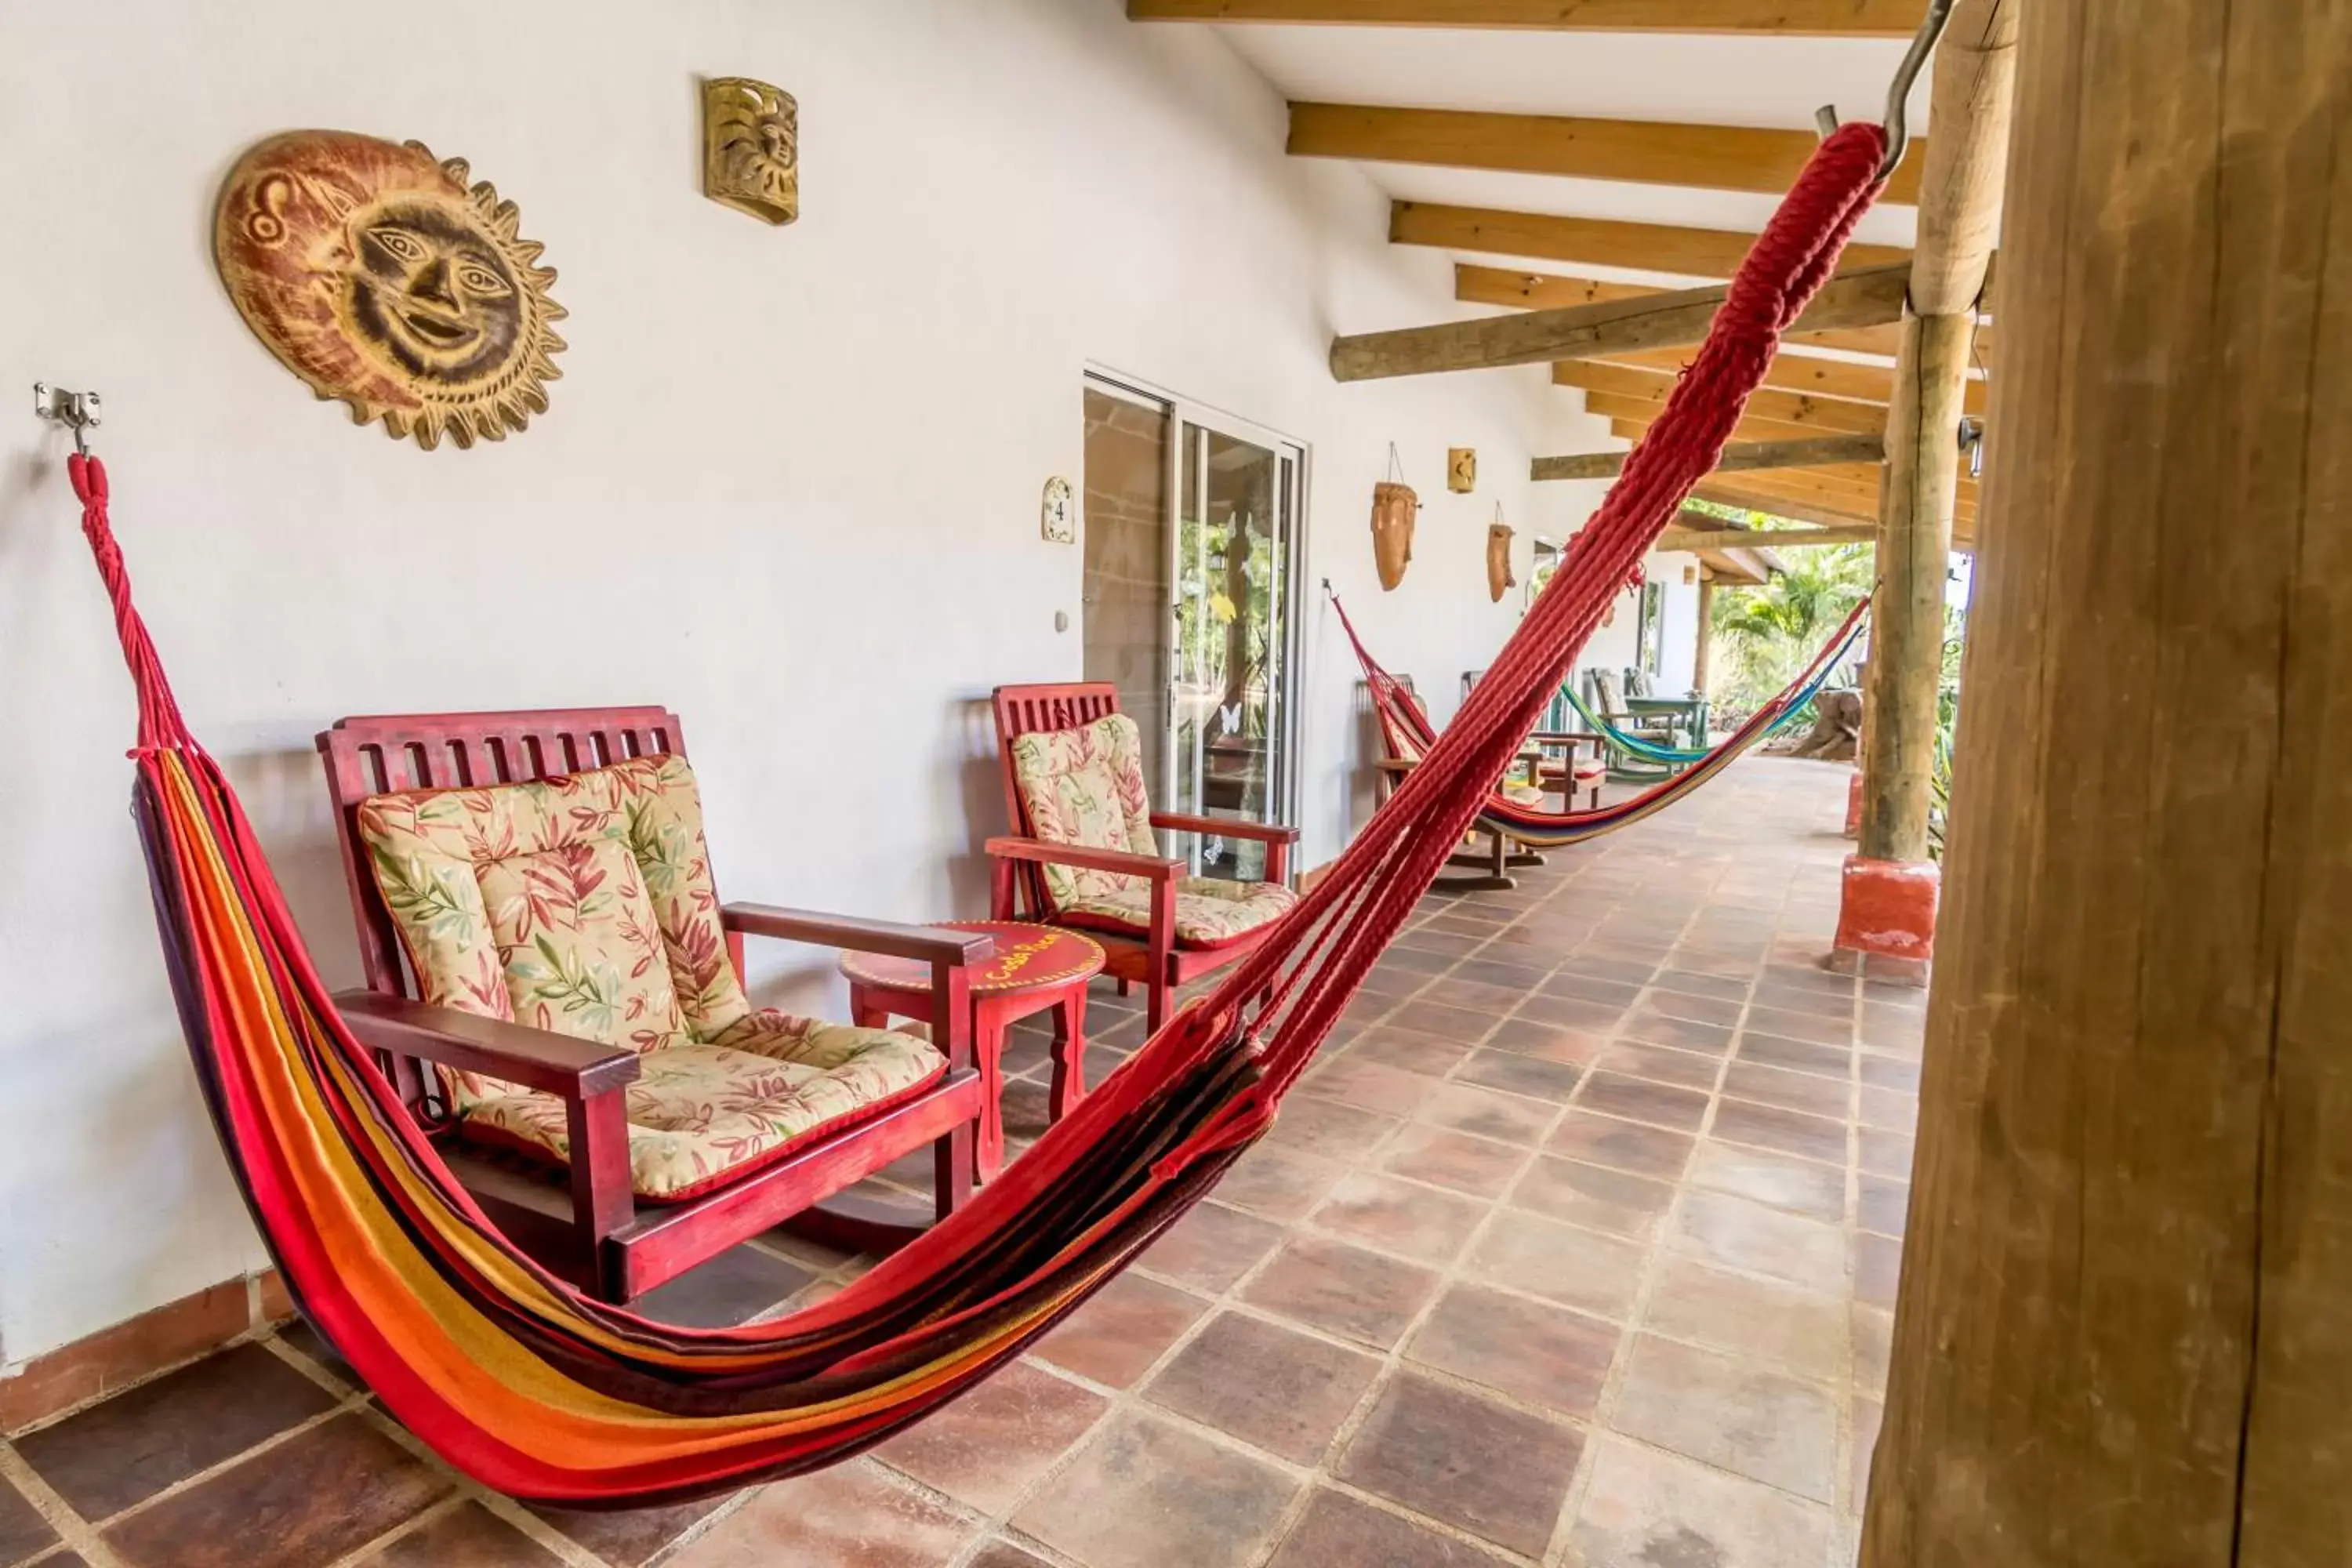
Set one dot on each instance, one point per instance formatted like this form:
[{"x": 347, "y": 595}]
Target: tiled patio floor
[{"x": 1577, "y": 1249}]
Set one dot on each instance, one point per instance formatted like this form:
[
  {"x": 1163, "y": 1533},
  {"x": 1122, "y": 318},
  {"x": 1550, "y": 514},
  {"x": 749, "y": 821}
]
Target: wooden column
[
  {"x": 1701, "y": 662},
  {"x": 1890, "y": 899},
  {"x": 1906, "y": 614},
  {"x": 2124, "y": 1331}
]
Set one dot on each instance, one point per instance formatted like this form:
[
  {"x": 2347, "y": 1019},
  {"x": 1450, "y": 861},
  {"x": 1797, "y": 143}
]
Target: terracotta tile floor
[{"x": 1576, "y": 1250}]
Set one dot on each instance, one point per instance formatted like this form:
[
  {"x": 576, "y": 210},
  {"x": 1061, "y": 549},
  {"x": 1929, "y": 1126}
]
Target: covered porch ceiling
[{"x": 1576, "y": 154}]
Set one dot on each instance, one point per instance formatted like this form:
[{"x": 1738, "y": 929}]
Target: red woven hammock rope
[{"x": 543, "y": 1393}]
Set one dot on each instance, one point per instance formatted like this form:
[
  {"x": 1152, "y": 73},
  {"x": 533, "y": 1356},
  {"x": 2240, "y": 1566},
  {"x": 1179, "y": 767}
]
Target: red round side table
[{"x": 1035, "y": 967}]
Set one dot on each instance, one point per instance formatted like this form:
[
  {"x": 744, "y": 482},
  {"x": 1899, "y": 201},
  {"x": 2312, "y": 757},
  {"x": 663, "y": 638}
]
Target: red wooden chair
[
  {"x": 600, "y": 1079},
  {"x": 1096, "y": 866}
]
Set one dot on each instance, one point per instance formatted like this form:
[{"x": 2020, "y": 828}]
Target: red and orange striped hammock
[
  {"x": 1405, "y": 730},
  {"x": 532, "y": 1388}
]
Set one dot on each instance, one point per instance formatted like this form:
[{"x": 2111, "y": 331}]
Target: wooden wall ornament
[
  {"x": 751, "y": 148},
  {"x": 1499, "y": 579},
  {"x": 1461, "y": 469},
  {"x": 378, "y": 276},
  {"x": 1394, "y": 506}
]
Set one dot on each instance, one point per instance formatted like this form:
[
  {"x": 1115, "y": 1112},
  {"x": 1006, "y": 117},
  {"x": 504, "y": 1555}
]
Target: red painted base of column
[
  {"x": 1886, "y": 918},
  {"x": 1853, "y": 806}
]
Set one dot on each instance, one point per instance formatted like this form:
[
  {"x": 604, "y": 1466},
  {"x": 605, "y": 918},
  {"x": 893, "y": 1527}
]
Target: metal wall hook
[
  {"x": 77, "y": 411},
  {"x": 1898, "y": 92}
]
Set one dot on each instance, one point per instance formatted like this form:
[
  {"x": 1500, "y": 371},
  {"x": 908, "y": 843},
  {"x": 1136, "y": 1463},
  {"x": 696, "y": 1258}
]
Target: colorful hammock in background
[
  {"x": 1540, "y": 828},
  {"x": 1650, "y": 750},
  {"x": 1647, "y": 750},
  {"x": 542, "y": 1393}
]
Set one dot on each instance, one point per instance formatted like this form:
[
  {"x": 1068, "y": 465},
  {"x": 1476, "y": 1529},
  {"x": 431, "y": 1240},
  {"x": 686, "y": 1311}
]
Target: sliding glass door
[{"x": 1221, "y": 640}]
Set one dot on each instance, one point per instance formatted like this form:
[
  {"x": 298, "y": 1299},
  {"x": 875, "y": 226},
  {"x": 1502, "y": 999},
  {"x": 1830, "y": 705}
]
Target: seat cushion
[
  {"x": 701, "y": 1116},
  {"x": 1210, "y": 911},
  {"x": 1086, "y": 786},
  {"x": 1523, "y": 795}
]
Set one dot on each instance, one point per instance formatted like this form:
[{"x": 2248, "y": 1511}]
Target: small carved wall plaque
[
  {"x": 751, "y": 148},
  {"x": 1461, "y": 469},
  {"x": 376, "y": 273},
  {"x": 1394, "y": 506},
  {"x": 1057, "y": 516}
]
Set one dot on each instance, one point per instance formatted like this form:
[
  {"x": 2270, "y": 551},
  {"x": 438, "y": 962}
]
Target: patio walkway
[{"x": 1577, "y": 1249}]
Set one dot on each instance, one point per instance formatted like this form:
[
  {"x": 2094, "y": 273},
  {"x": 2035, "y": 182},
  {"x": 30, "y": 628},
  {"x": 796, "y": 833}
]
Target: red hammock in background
[
  {"x": 1404, "y": 724},
  {"x": 540, "y": 1392}
]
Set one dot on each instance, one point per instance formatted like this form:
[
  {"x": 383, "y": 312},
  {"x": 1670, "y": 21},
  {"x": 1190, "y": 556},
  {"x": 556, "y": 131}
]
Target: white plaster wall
[{"x": 788, "y": 485}]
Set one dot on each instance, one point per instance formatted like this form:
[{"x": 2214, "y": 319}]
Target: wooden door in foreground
[{"x": 2125, "y": 1335}]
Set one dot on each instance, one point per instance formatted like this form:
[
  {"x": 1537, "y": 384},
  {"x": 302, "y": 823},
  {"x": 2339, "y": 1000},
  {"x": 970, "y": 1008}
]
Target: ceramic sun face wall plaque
[
  {"x": 751, "y": 148},
  {"x": 377, "y": 275},
  {"x": 1393, "y": 509},
  {"x": 1499, "y": 580}
]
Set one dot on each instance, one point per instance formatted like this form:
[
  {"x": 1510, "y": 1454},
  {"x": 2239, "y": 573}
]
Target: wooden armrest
[
  {"x": 1397, "y": 765},
  {"x": 1263, "y": 832},
  {"x": 1565, "y": 737},
  {"x": 537, "y": 1059},
  {"x": 1124, "y": 862},
  {"x": 928, "y": 944}
]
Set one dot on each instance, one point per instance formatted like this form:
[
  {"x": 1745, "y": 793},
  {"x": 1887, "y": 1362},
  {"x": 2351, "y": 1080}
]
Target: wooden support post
[
  {"x": 1906, "y": 621},
  {"x": 2123, "y": 1314},
  {"x": 1703, "y": 660},
  {"x": 1888, "y": 912}
]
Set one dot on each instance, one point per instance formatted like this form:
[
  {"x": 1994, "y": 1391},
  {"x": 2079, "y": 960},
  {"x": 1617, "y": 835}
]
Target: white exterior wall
[{"x": 788, "y": 485}]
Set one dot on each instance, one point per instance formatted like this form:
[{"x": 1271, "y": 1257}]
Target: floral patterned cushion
[
  {"x": 703, "y": 1115},
  {"x": 1210, "y": 911},
  {"x": 584, "y": 904},
  {"x": 1086, "y": 786}
]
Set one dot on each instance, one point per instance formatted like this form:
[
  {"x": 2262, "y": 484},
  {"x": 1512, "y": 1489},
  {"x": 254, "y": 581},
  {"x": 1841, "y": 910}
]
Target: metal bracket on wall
[{"x": 77, "y": 411}]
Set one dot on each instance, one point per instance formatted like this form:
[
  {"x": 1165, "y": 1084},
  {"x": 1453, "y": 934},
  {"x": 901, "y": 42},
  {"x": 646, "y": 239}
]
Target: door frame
[{"x": 1284, "y": 789}]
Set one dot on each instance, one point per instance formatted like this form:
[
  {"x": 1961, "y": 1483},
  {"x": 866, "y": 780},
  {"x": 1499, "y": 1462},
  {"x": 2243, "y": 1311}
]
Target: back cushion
[
  {"x": 1086, "y": 786},
  {"x": 581, "y": 903}
]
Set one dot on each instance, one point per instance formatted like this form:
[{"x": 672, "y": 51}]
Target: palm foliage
[{"x": 1769, "y": 633}]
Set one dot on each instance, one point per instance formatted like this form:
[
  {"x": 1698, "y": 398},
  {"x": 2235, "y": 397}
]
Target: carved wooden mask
[
  {"x": 751, "y": 148},
  {"x": 1499, "y": 580},
  {"x": 373, "y": 273},
  {"x": 1393, "y": 508}
]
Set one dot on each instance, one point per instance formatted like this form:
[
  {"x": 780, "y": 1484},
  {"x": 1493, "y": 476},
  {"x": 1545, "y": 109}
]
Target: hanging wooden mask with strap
[
  {"x": 377, "y": 274},
  {"x": 1394, "y": 506},
  {"x": 1499, "y": 580}
]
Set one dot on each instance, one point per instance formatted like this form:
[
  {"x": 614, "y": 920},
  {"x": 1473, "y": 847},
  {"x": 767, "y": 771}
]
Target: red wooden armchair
[
  {"x": 518, "y": 1092},
  {"x": 1100, "y": 870}
]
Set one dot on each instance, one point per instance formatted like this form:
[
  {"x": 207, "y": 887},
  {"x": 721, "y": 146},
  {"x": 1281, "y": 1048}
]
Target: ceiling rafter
[
  {"x": 1594, "y": 242},
  {"x": 1640, "y": 152},
  {"x": 1813, "y": 18}
]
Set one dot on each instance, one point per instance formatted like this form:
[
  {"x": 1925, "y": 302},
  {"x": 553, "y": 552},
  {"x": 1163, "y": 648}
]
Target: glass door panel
[
  {"x": 1129, "y": 456},
  {"x": 1231, "y": 700}
]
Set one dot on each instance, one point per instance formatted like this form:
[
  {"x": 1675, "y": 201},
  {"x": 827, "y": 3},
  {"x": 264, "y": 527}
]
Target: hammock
[
  {"x": 1650, "y": 750},
  {"x": 1406, "y": 729},
  {"x": 1647, "y": 750},
  {"x": 540, "y": 1392}
]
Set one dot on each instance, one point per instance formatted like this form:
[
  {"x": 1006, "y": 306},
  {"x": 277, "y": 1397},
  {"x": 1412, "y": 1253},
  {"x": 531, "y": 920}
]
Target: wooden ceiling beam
[
  {"x": 1867, "y": 298},
  {"x": 1765, "y": 538},
  {"x": 1594, "y": 242},
  {"x": 1814, "y": 19},
  {"x": 1810, "y": 374},
  {"x": 1820, "y": 452},
  {"x": 1822, "y": 415},
  {"x": 1519, "y": 290},
  {"x": 1642, "y": 151}
]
